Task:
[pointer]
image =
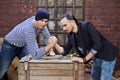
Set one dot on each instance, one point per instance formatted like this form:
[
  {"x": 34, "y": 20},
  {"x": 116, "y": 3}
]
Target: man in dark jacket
[{"x": 89, "y": 44}]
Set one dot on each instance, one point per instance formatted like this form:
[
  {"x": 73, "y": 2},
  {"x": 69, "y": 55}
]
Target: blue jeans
[
  {"x": 7, "y": 54},
  {"x": 102, "y": 70}
]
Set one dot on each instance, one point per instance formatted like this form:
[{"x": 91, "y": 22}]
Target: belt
[{"x": 8, "y": 43}]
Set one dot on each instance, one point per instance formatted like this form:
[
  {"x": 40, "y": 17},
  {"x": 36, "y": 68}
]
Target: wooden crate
[{"x": 54, "y": 69}]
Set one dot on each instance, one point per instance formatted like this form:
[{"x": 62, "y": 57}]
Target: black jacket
[{"x": 88, "y": 38}]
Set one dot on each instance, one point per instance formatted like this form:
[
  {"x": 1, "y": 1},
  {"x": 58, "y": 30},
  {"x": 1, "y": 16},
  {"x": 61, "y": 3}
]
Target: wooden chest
[{"x": 53, "y": 69}]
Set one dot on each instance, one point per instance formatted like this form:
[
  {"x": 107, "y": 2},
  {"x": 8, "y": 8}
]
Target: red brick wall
[
  {"x": 105, "y": 15},
  {"x": 14, "y": 11}
]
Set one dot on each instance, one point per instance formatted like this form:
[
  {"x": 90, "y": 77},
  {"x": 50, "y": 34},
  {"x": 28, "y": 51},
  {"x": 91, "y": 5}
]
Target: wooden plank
[
  {"x": 22, "y": 73},
  {"x": 21, "y": 66},
  {"x": 55, "y": 72},
  {"x": 81, "y": 67},
  {"x": 51, "y": 78},
  {"x": 50, "y": 66},
  {"x": 21, "y": 77},
  {"x": 51, "y": 61},
  {"x": 46, "y": 72}
]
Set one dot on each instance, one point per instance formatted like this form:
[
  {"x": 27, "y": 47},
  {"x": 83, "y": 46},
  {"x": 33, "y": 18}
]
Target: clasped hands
[{"x": 52, "y": 40}]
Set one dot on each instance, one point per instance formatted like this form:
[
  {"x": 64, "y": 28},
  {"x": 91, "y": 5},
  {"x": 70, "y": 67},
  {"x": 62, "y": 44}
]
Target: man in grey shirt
[{"x": 22, "y": 40}]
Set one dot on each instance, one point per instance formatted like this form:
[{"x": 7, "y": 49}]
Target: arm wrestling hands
[{"x": 48, "y": 48}]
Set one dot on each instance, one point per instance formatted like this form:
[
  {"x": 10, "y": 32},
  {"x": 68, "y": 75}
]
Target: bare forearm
[
  {"x": 59, "y": 48},
  {"x": 85, "y": 59},
  {"x": 88, "y": 57},
  {"x": 49, "y": 46}
]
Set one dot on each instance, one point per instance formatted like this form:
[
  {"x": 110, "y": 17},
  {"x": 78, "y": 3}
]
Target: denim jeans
[
  {"x": 102, "y": 70},
  {"x": 7, "y": 54}
]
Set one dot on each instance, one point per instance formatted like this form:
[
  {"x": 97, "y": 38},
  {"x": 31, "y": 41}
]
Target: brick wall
[
  {"x": 105, "y": 15},
  {"x": 14, "y": 11}
]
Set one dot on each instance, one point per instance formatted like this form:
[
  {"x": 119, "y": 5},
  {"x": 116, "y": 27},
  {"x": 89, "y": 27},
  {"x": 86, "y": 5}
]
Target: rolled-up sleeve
[{"x": 93, "y": 51}]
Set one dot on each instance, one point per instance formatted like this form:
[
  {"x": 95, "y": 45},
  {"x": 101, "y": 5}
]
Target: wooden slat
[
  {"x": 51, "y": 78},
  {"x": 21, "y": 66},
  {"x": 52, "y": 61},
  {"x": 55, "y": 72},
  {"x": 21, "y": 77},
  {"x": 22, "y": 72},
  {"x": 50, "y": 66}
]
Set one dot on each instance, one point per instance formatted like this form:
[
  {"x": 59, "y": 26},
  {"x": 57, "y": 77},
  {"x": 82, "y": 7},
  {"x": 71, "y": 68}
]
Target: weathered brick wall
[
  {"x": 105, "y": 15},
  {"x": 14, "y": 11}
]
